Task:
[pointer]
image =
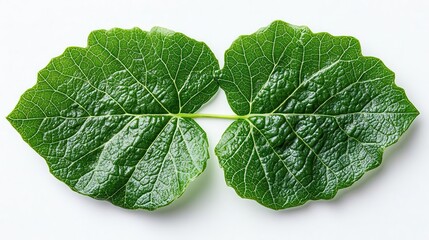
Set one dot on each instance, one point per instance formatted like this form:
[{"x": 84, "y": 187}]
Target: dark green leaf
[
  {"x": 316, "y": 115},
  {"x": 107, "y": 117}
]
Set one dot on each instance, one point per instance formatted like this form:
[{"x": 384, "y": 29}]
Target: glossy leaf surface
[
  {"x": 107, "y": 117},
  {"x": 316, "y": 114}
]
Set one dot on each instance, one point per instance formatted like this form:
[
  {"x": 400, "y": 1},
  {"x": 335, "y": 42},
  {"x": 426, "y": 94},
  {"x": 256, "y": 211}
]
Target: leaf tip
[
  {"x": 12, "y": 116},
  {"x": 9, "y": 118}
]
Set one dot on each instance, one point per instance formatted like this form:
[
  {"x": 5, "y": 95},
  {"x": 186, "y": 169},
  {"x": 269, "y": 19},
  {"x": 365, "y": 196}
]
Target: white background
[{"x": 391, "y": 202}]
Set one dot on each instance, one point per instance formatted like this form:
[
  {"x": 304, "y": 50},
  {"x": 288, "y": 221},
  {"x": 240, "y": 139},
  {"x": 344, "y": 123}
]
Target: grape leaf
[
  {"x": 107, "y": 118},
  {"x": 316, "y": 115}
]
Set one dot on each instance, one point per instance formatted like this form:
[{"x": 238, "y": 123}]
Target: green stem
[{"x": 208, "y": 115}]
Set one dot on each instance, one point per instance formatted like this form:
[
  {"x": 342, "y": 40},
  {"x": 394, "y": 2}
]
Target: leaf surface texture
[
  {"x": 107, "y": 117},
  {"x": 317, "y": 114}
]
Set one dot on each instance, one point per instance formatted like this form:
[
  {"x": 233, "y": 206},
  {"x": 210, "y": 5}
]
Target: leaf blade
[
  {"x": 106, "y": 117},
  {"x": 320, "y": 114}
]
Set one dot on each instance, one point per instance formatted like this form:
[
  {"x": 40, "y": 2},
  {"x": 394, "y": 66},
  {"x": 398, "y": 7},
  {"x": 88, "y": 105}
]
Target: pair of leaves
[{"x": 114, "y": 120}]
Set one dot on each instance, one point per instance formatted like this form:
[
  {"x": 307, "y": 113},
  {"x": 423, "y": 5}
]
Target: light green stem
[
  {"x": 235, "y": 117},
  {"x": 208, "y": 115}
]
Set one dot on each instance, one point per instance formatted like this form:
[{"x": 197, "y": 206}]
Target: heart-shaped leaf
[
  {"x": 316, "y": 115},
  {"x": 107, "y": 117}
]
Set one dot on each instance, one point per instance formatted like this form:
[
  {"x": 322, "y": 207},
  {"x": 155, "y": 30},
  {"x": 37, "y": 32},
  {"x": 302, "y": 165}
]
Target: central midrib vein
[
  {"x": 222, "y": 116},
  {"x": 226, "y": 116}
]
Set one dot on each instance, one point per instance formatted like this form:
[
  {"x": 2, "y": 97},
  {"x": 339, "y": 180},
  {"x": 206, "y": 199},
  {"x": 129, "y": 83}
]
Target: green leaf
[
  {"x": 316, "y": 115},
  {"x": 107, "y": 118}
]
